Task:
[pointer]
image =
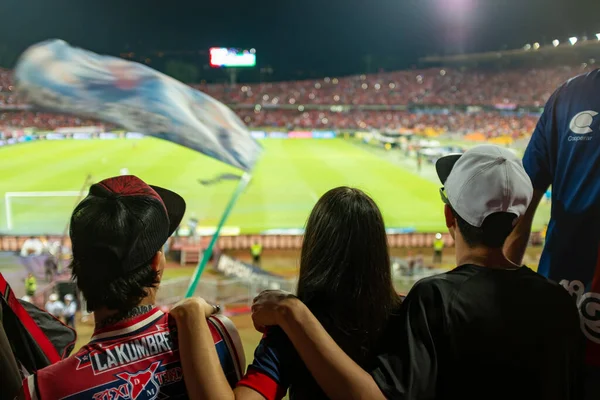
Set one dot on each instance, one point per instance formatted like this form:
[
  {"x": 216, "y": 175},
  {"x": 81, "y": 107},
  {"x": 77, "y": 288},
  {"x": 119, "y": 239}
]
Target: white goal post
[{"x": 10, "y": 195}]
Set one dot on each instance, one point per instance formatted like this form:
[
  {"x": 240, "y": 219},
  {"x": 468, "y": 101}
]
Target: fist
[
  {"x": 193, "y": 307},
  {"x": 269, "y": 306}
]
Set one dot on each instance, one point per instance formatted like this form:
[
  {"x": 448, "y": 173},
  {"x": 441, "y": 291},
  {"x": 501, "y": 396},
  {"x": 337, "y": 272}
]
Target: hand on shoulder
[
  {"x": 193, "y": 307},
  {"x": 270, "y": 307}
]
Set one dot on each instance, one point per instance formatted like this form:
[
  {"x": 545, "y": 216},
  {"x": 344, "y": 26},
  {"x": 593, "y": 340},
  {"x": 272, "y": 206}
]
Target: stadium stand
[
  {"x": 25, "y": 119},
  {"x": 434, "y": 86},
  {"x": 6, "y": 82},
  {"x": 491, "y": 102},
  {"x": 489, "y": 123}
]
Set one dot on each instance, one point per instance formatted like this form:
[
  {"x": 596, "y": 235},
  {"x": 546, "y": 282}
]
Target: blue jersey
[{"x": 564, "y": 152}]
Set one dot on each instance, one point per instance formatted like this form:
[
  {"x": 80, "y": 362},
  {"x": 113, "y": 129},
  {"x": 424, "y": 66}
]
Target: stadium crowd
[
  {"x": 489, "y": 123},
  {"x": 6, "y": 82},
  {"x": 46, "y": 121},
  {"x": 434, "y": 86},
  {"x": 502, "y": 90}
]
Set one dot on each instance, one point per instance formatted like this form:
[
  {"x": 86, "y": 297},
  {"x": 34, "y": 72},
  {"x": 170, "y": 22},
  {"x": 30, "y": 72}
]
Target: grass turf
[{"x": 286, "y": 183}]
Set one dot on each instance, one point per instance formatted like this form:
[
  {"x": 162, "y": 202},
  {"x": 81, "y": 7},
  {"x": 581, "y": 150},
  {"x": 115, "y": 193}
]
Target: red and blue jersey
[
  {"x": 267, "y": 374},
  {"x": 564, "y": 152},
  {"x": 136, "y": 359},
  {"x": 277, "y": 367}
]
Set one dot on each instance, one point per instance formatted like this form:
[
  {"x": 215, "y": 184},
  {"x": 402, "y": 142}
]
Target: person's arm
[
  {"x": 516, "y": 244},
  {"x": 335, "y": 372},
  {"x": 408, "y": 370},
  {"x": 269, "y": 373},
  {"x": 539, "y": 161},
  {"x": 204, "y": 377}
]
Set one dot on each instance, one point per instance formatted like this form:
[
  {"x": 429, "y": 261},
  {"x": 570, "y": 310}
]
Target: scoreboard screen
[{"x": 226, "y": 57}]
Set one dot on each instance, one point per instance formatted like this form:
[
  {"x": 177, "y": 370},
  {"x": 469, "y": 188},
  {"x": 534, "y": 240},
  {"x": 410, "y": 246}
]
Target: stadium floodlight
[
  {"x": 573, "y": 40},
  {"x": 536, "y": 46},
  {"x": 527, "y": 47},
  {"x": 598, "y": 36},
  {"x": 555, "y": 42}
]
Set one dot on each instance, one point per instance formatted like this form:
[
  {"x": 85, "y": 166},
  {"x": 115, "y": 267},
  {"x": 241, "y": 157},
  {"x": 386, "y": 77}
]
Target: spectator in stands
[
  {"x": 193, "y": 225},
  {"x": 54, "y": 306},
  {"x": 483, "y": 329},
  {"x": 563, "y": 154},
  {"x": 438, "y": 248},
  {"x": 70, "y": 310},
  {"x": 117, "y": 233},
  {"x": 30, "y": 285},
  {"x": 32, "y": 246},
  {"x": 256, "y": 252},
  {"x": 50, "y": 267},
  {"x": 345, "y": 281}
]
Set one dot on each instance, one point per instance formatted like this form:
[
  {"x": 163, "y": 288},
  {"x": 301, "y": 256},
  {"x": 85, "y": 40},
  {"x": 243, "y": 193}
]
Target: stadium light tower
[
  {"x": 536, "y": 46},
  {"x": 573, "y": 40},
  {"x": 555, "y": 42},
  {"x": 527, "y": 47},
  {"x": 598, "y": 36}
]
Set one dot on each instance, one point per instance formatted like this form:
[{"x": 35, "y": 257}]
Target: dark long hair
[{"x": 345, "y": 276}]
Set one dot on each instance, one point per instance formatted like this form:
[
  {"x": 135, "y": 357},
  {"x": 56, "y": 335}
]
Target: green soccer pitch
[{"x": 286, "y": 183}]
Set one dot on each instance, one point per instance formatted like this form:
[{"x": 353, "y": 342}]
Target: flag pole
[{"x": 243, "y": 182}]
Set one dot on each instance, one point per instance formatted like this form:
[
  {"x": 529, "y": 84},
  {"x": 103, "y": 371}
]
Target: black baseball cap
[{"x": 122, "y": 223}]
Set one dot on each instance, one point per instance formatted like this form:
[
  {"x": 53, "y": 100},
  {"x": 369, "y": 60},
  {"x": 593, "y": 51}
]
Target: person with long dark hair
[{"x": 345, "y": 293}]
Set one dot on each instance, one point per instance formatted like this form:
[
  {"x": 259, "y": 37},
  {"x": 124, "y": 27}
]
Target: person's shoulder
[
  {"x": 583, "y": 79},
  {"x": 447, "y": 280},
  {"x": 528, "y": 273},
  {"x": 65, "y": 366},
  {"x": 435, "y": 287},
  {"x": 586, "y": 84},
  {"x": 548, "y": 286}
]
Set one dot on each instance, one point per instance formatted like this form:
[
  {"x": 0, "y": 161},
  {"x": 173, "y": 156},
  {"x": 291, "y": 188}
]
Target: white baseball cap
[
  {"x": 486, "y": 179},
  {"x": 53, "y": 297}
]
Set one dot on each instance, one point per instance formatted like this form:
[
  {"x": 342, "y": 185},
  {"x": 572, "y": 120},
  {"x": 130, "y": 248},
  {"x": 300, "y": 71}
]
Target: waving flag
[{"x": 55, "y": 76}]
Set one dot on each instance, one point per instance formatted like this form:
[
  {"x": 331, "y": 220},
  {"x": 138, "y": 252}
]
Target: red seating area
[
  {"x": 489, "y": 123},
  {"x": 435, "y": 86},
  {"x": 26, "y": 119},
  {"x": 6, "y": 82},
  {"x": 430, "y": 87}
]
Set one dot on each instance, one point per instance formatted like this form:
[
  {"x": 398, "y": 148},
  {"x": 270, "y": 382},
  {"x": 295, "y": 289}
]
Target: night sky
[{"x": 333, "y": 37}]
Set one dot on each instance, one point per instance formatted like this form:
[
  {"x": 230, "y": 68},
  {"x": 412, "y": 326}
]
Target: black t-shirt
[{"x": 484, "y": 333}]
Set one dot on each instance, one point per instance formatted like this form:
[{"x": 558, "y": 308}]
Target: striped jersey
[{"x": 136, "y": 359}]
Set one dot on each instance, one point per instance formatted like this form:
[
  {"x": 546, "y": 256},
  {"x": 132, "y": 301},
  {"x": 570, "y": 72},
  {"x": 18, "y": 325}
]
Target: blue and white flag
[{"x": 55, "y": 76}]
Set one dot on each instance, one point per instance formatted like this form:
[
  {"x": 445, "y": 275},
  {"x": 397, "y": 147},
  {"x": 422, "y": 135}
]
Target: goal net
[{"x": 38, "y": 212}]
